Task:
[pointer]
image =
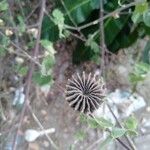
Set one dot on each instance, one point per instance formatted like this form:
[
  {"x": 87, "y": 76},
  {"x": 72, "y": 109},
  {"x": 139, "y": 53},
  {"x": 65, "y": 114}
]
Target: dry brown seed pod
[{"x": 85, "y": 93}]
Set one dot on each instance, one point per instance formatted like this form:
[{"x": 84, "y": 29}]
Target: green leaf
[
  {"x": 92, "y": 44},
  {"x": 83, "y": 118},
  {"x": 95, "y": 47},
  {"x": 134, "y": 78},
  {"x": 146, "y": 18},
  {"x": 58, "y": 18},
  {"x": 42, "y": 80},
  {"x": 49, "y": 59},
  {"x": 50, "y": 31},
  {"x": 146, "y": 29},
  {"x": 48, "y": 46},
  {"x": 47, "y": 65},
  {"x": 79, "y": 10},
  {"x": 124, "y": 39},
  {"x": 96, "y": 59},
  {"x": 142, "y": 68},
  {"x": 117, "y": 132},
  {"x": 99, "y": 123},
  {"x": 141, "y": 8},
  {"x": 132, "y": 133},
  {"x": 104, "y": 123},
  {"x": 131, "y": 123},
  {"x": 139, "y": 73},
  {"x": 96, "y": 3},
  {"x": 2, "y": 51},
  {"x": 66, "y": 33},
  {"x": 5, "y": 41},
  {"x": 22, "y": 70},
  {"x": 92, "y": 123},
  {"x": 113, "y": 28},
  {"x": 82, "y": 53},
  {"x": 22, "y": 25},
  {"x": 103, "y": 145},
  {"x": 137, "y": 16},
  {"x": 80, "y": 135},
  {"x": 146, "y": 53},
  {"x": 3, "y": 5}
]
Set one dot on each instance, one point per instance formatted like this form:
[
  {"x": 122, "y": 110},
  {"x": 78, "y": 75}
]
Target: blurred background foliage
[
  {"x": 122, "y": 29},
  {"x": 124, "y": 23}
]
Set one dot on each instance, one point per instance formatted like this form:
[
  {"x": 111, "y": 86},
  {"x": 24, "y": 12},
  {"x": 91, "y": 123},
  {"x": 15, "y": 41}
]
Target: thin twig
[
  {"x": 72, "y": 20},
  {"x": 13, "y": 23},
  {"x": 77, "y": 36},
  {"x": 17, "y": 29},
  {"x": 42, "y": 128},
  {"x": 29, "y": 76},
  {"x": 123, "y": 144},
  {"x": 109, "y": 15},
  {"x": 93, "y": 144},
  {"x": 2, "y": 112},
  {"x": 119, "y": 123},
  {"x": 33, "y": 10},
  {"x": 102, "y": 39},
  {"x": 23, "y": 51},
  {"x": 24, "y": 55}
]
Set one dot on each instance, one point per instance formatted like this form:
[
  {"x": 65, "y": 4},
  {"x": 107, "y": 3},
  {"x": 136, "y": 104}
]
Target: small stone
[
  {"x": 11, "y": 50},
  {"x": 43, "y": 112},
  {"x": 143, "y": 130},
  {"x": 148, "y": 109},
  {"x": 19, "y": 60},
  {"x": 8, "y": 32},
  {"x": 26, "y": 120},
  {"x": 12, "y": 89},
  {"x": 46, "y": 144},
  {"x": 33, "y": 31}
]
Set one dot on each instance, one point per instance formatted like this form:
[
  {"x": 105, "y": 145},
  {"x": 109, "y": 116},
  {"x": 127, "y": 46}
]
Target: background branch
[
  {"x": 109, "y": 15},
  {"x": 102, "y": 39},
  {"x": 30, "y": 72}
]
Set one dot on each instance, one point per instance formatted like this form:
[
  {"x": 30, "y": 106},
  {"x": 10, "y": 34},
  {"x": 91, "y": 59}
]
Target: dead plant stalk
[{"x": 30, "y": 72}]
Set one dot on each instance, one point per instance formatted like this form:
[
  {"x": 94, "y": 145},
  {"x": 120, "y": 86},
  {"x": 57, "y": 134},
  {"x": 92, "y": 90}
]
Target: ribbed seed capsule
[{"x": 85, "y": 93}]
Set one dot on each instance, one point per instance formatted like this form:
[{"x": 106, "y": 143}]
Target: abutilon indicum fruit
[{"x": 85, "y": 93}]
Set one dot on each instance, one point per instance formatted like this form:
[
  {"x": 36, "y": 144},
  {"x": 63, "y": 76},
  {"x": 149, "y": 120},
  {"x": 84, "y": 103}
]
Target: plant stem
[
  {"x": 102, "y": 39},
  {"x": 41, "y": 126},
  {"x": 29, "y": 76},
  {"x": 72, "y": 20},
  {"x": 130, "y": 142}
]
